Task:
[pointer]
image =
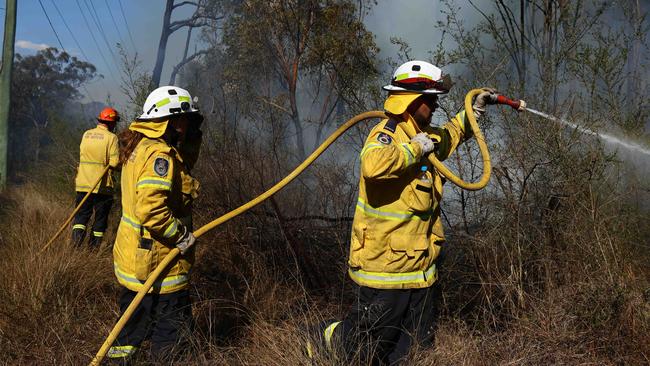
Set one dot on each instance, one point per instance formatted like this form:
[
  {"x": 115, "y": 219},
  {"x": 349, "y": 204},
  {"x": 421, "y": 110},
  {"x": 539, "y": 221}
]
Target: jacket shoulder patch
[
  {"x": 384, "y": 138},
  {"x": 161, "y": 166},
  {"x": 391, "y": 125}
]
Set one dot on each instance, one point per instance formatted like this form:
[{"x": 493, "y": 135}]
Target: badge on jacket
[
  {"x": 161, "y": 166},
  {"x": 384, "y": 138}
]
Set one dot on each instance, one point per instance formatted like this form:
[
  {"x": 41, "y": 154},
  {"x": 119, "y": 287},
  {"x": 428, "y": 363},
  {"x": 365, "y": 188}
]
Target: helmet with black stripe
[
  {"x": 168, "y": 101},
  {"x": 419, "y": 77}
]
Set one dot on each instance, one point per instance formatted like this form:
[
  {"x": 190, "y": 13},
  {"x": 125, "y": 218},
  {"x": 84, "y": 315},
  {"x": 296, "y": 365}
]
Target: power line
[
  {"x": 99, "y": 26},
  {"x": 61, "y": 44},
  {"x": 51, "y": 26},
  {"x": 117, "y": 29},
  {"x": 76, "y": 42},
  {"x": 127, "y": 24},
  {"x": 70, "y": 31},
  {"x": 108, "y": 66}
]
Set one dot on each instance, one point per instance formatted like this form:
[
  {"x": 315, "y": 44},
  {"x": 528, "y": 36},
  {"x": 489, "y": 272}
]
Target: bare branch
[
  {"x": 176, "y": 25},
  {"x": 194, "y": 22},
  {"x": 276, "y": 105},
  {"x": 185, "y": 61},
  {"x": 185, "y": 3}
]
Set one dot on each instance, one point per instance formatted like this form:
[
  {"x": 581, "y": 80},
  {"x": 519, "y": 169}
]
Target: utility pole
[{"x": 5, "y": 85}]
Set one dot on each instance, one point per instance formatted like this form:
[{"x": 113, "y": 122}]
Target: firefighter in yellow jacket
[
  {"x": 397, "y": 232},
  {"x": 157, "y": 153},
  {"x": 98, "y": 149}
]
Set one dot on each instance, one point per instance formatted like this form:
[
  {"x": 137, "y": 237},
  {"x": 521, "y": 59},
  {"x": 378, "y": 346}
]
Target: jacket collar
[
  {"x": 408, "y": 124},
  {"x": 411, "y": 128}
]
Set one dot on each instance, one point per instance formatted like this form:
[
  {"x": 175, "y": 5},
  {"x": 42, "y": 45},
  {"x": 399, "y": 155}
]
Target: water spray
[
  {"x": 521, "y": 106},
  {"x": 606, "y": 137}
]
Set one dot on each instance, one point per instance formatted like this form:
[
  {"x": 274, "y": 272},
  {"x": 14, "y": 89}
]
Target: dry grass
[{"x": 516, "y": 292}]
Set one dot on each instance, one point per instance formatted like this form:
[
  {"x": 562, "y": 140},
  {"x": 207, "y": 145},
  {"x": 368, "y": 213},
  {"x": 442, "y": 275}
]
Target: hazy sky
[
  {"x": 137, "y": 29},
  {"x": 411, "y": 20}
]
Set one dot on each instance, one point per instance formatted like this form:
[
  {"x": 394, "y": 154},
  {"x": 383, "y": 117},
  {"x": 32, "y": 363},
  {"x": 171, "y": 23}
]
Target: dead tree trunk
[{"x": 162, "y": 44}]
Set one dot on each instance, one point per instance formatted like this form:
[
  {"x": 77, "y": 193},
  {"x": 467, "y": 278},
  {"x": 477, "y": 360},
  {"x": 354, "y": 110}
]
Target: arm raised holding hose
[{"x": 397, "y": 231}]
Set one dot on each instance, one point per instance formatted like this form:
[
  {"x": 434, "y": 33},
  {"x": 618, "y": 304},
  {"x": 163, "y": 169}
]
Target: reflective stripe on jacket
[
  {"x": 98, "y": 149},
  {"x": 152, "y": 207},
  {"x": 397, "y": 231}
]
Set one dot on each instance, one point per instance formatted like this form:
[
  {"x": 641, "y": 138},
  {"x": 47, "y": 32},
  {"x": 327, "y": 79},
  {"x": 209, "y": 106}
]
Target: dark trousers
[
  {"x": 101, "y": 205},
  {"x": 164, "y": 318},
  {"x": 385, "y": 323}
]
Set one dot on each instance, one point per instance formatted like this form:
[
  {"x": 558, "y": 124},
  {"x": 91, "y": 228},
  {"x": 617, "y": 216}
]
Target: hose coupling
[{"x": 517, "y": 104}]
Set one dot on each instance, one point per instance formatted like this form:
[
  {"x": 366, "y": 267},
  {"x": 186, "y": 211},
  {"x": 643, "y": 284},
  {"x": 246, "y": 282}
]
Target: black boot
[
  {"x": 96, "y": 241},
  {"x": 78, "y": 236}
]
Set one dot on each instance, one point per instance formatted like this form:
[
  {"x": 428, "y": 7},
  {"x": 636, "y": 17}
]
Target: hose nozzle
[{"x": 519, "y": 105}]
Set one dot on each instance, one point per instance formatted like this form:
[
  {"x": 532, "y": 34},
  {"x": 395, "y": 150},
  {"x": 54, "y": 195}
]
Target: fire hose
[
  {"x": 286, "y": 180},
  {"x": 74, "y": 212}
]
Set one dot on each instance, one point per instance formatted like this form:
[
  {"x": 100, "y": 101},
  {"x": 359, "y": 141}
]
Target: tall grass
[{"x": 537, "y": 282}]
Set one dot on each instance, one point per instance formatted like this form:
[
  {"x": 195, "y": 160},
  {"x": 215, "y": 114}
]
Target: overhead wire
[
  {"x": 61, "y": 44},
  {"x": 92, "y": 35},
  {"x": 69, "y": 30},
  {"x": 65, "y": 23},
  {"x": 93, "y": 14},
  {"x": 52, "y": 26},
  {"x": 127, "y": 25},
  {"x": 117, "y": 29}
]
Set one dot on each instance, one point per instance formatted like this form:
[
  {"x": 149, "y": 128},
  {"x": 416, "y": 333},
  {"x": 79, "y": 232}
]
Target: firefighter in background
[
  {"x": 397, "y": 232},
  {"x": 157, "y": 152},
  {"x": 98, "y": 149}
]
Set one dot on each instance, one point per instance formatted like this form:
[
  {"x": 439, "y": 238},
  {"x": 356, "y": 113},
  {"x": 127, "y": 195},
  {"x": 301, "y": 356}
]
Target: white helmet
[
  {"x": 420, "y": 77},
  {"x": 167, "y": 101}
]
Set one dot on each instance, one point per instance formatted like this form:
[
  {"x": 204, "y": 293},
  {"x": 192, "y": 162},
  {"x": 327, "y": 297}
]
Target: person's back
[{"x": 98, "y": 149}]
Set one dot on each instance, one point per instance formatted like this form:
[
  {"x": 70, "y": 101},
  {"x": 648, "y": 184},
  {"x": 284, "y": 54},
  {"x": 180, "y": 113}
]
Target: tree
[
  {"x": 43, "y": 86},
  {"x": 135, "y": 83},
  {"x": 200, "y": 18},
  {"x": 573, "y": 60},
  {"x": 305, "y": 59}
]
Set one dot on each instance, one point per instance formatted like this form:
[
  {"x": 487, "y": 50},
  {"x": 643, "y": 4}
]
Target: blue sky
[
  {"x": 412, "y": 20},
  {"x": 142, "y": 18}
]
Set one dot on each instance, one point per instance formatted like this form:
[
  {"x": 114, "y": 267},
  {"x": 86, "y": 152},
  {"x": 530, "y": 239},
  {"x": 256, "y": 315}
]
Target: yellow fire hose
[
  {"x": 485, "y": 155},
  {"x": 259, "y": 199},
  {"x": 67, "y": 222}
]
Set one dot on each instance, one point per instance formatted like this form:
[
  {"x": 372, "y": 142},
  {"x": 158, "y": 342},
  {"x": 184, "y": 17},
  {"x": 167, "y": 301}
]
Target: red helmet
[{"x": 108, "y": 114}]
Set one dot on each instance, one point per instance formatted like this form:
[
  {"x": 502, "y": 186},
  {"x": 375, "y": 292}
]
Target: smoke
[{"x": 411, "y": 21}]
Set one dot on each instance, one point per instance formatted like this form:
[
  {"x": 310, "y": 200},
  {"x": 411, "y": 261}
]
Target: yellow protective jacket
[
  {"x": 98, "y": 149},
  {"x": 154, "y": 207},
  {"x": 397, "y": 231}
]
